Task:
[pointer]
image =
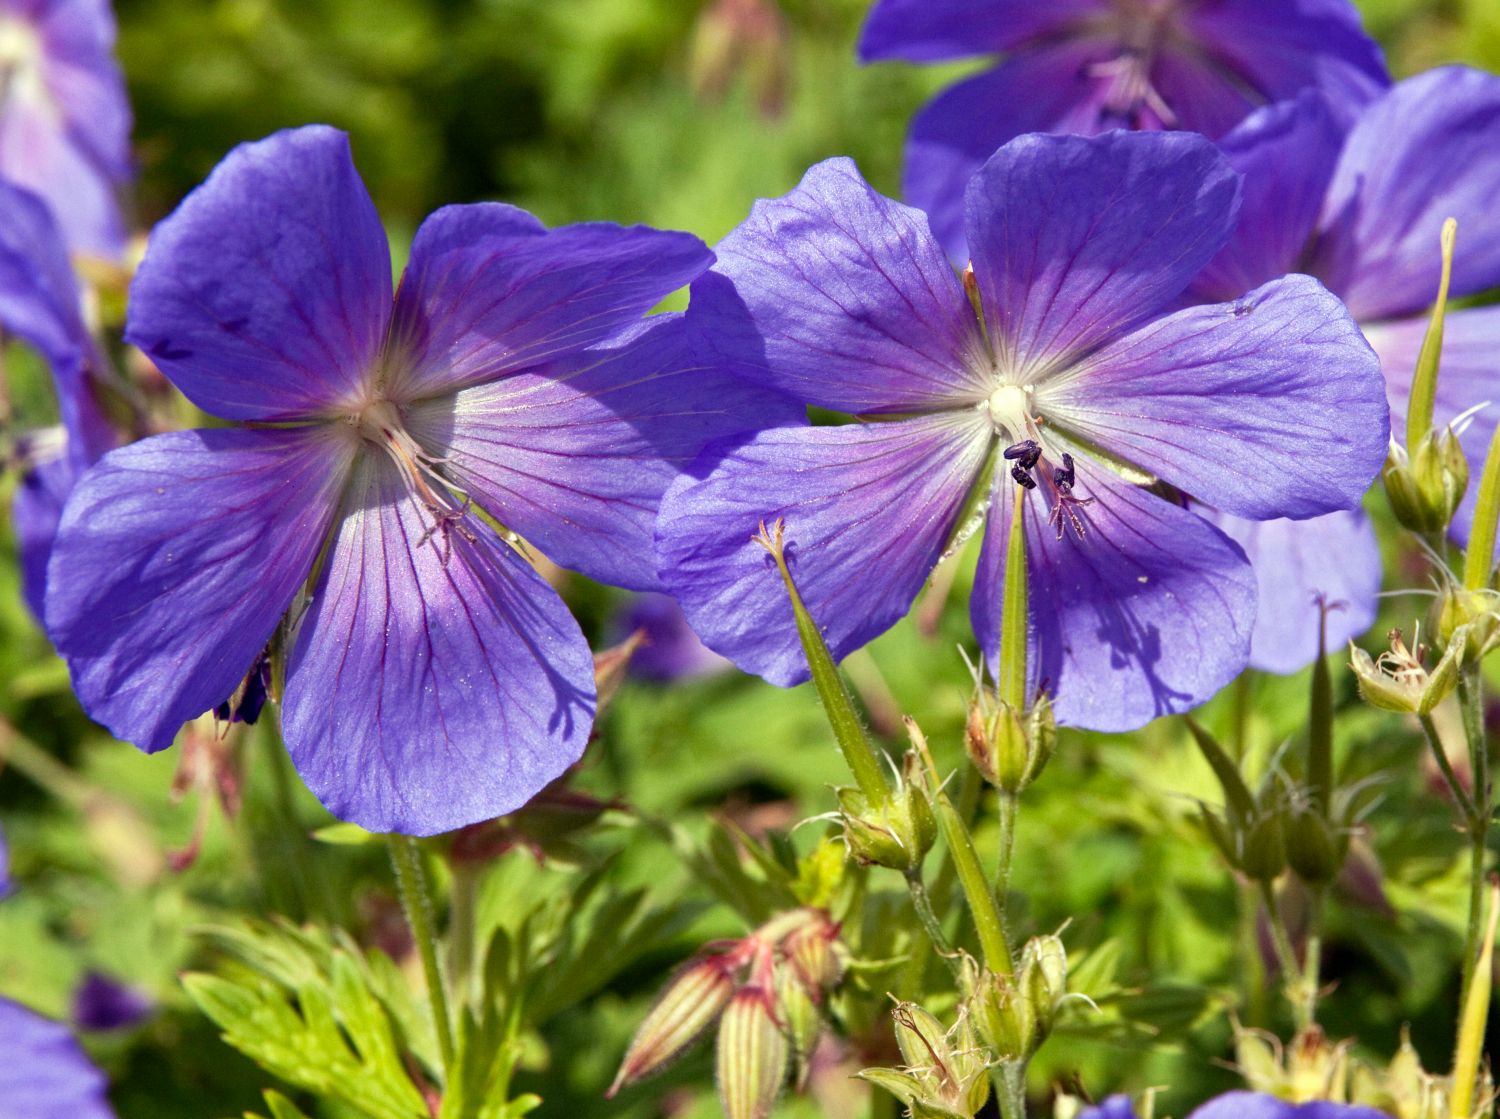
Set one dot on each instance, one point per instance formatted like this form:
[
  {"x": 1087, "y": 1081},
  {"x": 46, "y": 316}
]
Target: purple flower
[
  {"x": 1361, "y": 209},
  {"x": 433, "y": 679},
  {"x": 7, "y": 887},
  {"x": 1270, "y": 406},
  {"x": 672, "y": 651},
  {"x": 1087, "y": 66},
  {"x": 39, "y": 303},
  {"x": 1243, "y": 1105},
  {"x": 45, "y": 1075},
  {"x": 103, "y": 1003},
  {"x": 64, "y": 116}
]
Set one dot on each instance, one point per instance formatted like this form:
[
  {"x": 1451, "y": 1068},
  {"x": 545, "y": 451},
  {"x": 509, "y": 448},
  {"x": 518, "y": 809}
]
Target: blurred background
[{"x": 675, "y": 113}]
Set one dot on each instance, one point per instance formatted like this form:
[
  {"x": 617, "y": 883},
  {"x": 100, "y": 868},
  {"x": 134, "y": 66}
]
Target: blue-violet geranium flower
[
  {"x": 433, "y": 678},
  {"x": 1268, "y": 406}
]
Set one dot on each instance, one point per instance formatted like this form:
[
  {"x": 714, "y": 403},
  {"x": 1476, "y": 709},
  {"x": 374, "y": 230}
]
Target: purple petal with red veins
[
  {"x": 933, "y": 30},
  {"x": 437, "y": 680},
  {"x": 1468, "y": 382},
  {"x": 266, "y": 294},
  {"x": 46, "y": 1074},
  {"x": 851, "y": 303},
  {"x": 175, "y": 559},
  {"x": 1148, "y": 614},
  {"x": 1272, "y": 406},
  {"x": 1075, "y": 240},
  {"x": 868, "y": 508},
  {"x": 1287, "y": 153},
  {"x": 576, "y": 457},
  {"x": 1426, "y": 151},
  {"x": 489, "y": 291},
  {"x": 1335, "y": 558}
]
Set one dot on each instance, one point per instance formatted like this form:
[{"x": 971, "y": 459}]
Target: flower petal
[
  {"x": 1426, "y": 151},
  {"x": 1272, "y": 406},
  {"x": 1469, "y": 378},
  {"x": 932, "y": 30},
  {"x": 868, "y": 511},
  {"x": 576, "y": 456},
  {"x": 36, "y": 510},
  {"x": 852, "y": 304},
  {"x": 176, "y": 558},
  {"x": 1259, "y": 1105},
  {"x": 266, "y": 294},
  {"x": 1287, "y": 153},
  {"x": 437, "y": 680},
  {"x": 488, "y": 290},
  {"x": 46, "y": 1074},
  {"x": 1075, "y": 240},
  {"x": 1334, "y": 557},
  {"x": 1148, "y": 614},
  {"x": 1279, "y": 47}
]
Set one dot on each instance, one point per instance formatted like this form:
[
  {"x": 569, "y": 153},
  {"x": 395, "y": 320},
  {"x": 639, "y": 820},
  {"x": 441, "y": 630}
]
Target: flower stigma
[{"x": 1010, "y": 414}]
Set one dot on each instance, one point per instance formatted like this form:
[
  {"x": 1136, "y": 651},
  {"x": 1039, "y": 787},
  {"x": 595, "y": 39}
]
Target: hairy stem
[{"x": 416, "y": 903}]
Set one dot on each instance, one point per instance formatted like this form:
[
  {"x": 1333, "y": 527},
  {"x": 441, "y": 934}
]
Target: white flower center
[
  {"x": 1009, "y": 408},
  {"x": 21, "y": 60}
]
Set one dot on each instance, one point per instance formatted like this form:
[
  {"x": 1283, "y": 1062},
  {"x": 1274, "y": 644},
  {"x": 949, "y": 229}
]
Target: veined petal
[
  {"x": 1426, "y": 151},
  {"x": 1334, "y": 557},
  {"x": 1468, "y": 382},
  {"x": 576, "y": 456},
  {"x": 1149, "y": 613},
  {"x": 489, "y": 291},
  {"x": 46, "y": 1074},
  {"x": 437, "y": 680},
  {"x": 175, "y": 559},
  {"x": 1272, "y": 406},
  {"x": 39, "y": 303},
  {"x": 868, "y": 510},
  {"x": 1287, "y": 153},
  {"x": 1279, "y": 47},
  {"x": 854, "y": 306},
  {"x": 266, "y": 294},
  {"x": 86, "y": 80},
  {"x": 1075, "y": 240},
  {"x": 932, "y": 30},
  {"x": 1050, "y": 87}
]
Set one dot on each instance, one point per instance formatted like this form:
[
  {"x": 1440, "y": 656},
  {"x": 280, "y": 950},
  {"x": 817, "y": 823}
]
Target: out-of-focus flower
[
  {"x": 103, "y": 1003},
  {"x": 45, "y": 1075},
  {"x": 1243, "y": 1105},
  {"x": 1049, "y": 369},
  {"x": 1362, "y": 208},
  {"x": 433, "y": 678},
  {"x": 670, "y": 649},
  {"x": 1088, "y": 66},
  {"x": 7, "y": 887},
  {"x": 64, "y": 116}
]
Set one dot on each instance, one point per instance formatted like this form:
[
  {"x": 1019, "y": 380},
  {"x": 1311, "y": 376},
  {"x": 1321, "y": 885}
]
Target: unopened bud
[
  {"x": 945, "y": 1076},
  {"x": 813, "y": 952},
  {"x": 799, "y": 1013},
  {"x": 685, "y": 1010},
  {"x": 1263, "y": 850},
  {"x": 1008, "y": 748},
  {"x": 611, "y": 666},
  {"x": 1470, "y": 619},
  {"x": 1314, "y": 847},
  {"x": 1426, "y": 488},
  {"x": 897, "y": 834},
  {"x": 1397, "y": 681},
  {"x": 753, "y": 1054}
]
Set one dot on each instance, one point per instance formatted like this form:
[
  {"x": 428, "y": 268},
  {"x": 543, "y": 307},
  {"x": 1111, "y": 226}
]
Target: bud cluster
[
  {"x": 1427, "y": 486},
  {"x": 1014, "y": 1013},
  {"x": 896, "y": 833},
  {"x": 1010, "y": 748},
  {"x": 945, "y": 1072},
  {"x": 765, "y": 991}
]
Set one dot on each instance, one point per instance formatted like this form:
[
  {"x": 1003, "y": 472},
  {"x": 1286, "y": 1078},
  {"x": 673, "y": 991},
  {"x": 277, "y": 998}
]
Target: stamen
[{"x": 380, "y": 423}]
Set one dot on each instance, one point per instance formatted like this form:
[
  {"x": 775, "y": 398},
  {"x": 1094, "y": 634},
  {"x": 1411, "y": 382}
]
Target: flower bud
[
  {"x": 753, "y": 1054},
  {"x": 1426, "y": 488},
  {"x": 1010, "y": 749},
  {"x": 1014, "y": 1015},
  {"x": 1468, "y": 618},
  {"x": 897, "y": 834},
  {"x": 946, "y": 1074},
  {"x": 1314, "y": 847},
  {"x": 1263, "y": 848},
  {"x": 815, "y": 955},
  {"x": 686, "y": 1008},
  {"x": 797, "y": 1010},
  {"x": 1397, "y": 681}
]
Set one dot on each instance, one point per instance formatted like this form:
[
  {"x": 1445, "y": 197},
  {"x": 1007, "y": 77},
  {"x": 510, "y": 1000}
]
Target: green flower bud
[
  {"x": 1468, "y": 618},
  {"x": 1008, "y": 748},
  {"x": 752, "y": 1056},
  {"x": 1426, "y": 488},
  {"x": 1397, "y": 681},
  {"x": 1263, "y": 848},
  {"x": 1314, "y": 847},
  {"x": 897, "y": 834},
  {"x": 946, "y": 1075},
  {"x": 685, "y": 1010},
  {"x": 798, "y": 1012}
]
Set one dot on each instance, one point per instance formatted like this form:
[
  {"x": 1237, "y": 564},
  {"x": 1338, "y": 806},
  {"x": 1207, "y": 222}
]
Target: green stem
[
  {"x": 859, "y": 753},
  {"x": 42, "y": 768},
  {"x": 1286, "y": 956},
  {"x": 1440, "y": 755},
  {"x": 1252, "y": 969},
  {"x": 1469, "y": 700},
  {"x": 1010, "y": 805},
  {"x": 1479, "y": 557},
  {"x": 1424, "y": 381},
  {"x": 411, "y": 885},
  {"x": 1010, "y": 1087},
  {"x": 461, "y": 918},
  {"x": 1311, "y": 972},
  {"x": 922, "y": 904},
  {"x": 1014, "y": 612}
]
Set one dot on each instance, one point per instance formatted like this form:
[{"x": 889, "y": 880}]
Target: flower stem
[
  {"x": 1440, "y": 755},
  {"x": 1474, "y": 1017},
  {"x": 1010, "y": 805},
  {"x": 461, "y": 930},
  {"x": 922, "y": 904},
  {"x": 1314, "y": 962},
  {"x": 1010, "y": 1087},
  {"x": 1286, "y": 956},
  {"x": 1469, "y": 701},
  {"x": 411, "y": 885},
  {"x": 1014, "y": 613},
  {"x": 1479, "y": 556}
]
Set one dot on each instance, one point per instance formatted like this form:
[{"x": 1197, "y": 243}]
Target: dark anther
[
  {"x": 1027, "y": 452},
  {"x": 1063, "y": 477},
  {"x": 1023, "y": 476}
]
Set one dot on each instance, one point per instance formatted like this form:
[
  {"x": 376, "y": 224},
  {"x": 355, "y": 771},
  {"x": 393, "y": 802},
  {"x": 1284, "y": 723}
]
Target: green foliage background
[{"x": 632, "y": 111}]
